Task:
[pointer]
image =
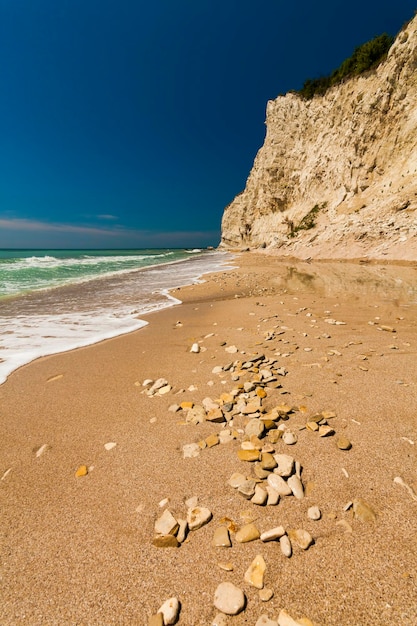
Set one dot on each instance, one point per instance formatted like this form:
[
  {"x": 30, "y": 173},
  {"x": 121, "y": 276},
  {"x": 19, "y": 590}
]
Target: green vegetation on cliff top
[{"x": 366, "y": 57}]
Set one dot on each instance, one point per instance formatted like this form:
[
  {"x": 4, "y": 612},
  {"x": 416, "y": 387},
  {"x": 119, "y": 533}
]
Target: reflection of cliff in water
[{"x": 392, "y": 282}]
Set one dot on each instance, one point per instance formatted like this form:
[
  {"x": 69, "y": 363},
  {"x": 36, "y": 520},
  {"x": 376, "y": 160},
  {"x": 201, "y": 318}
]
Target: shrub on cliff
[{"x": 366, "y": 57}]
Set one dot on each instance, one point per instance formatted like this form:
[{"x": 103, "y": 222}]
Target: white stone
[
  {"x": 164, "y": 390},
  {"x": 314, "y": 513},
  {"x": 289, "y": 437},
  {"x": 217, "y": 370},
  {"x": 260, "y": 496},
  {"x": 285, "y": 545},
  {"x": 166, "y": 524},
  {"x": 229, "y": 599},
  {"x": 158, "y": 384},
  {"x": 46, "y": 447},
  {"x": 190, "y": 450},
  {"x": 236, "y": 480},
  {"x": 285, "y": 464},
  {"x": 273, "y": 496},
  {"x": 195, "y": 348},
  {"x": 274, "y": 533},
  {"x": 170, "y": 610},
  {"x": 279, "y": 484},
  {"x": 182, "y": 530},
  {"x": 225, "y": 436},
  {"x": 231, "y": 349},
  {"x": 209, "y": 404},
  {"x": 255, "y": 427},
  {"x": 191, "y": 502},
  {"x": 296, "y": 486},
  {"x": 198, "y": 517}
]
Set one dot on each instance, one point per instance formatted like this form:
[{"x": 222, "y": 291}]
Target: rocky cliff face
[{"x": 337, "y": 175}]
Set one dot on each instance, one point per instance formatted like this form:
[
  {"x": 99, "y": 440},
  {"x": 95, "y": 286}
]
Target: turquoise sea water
[
  {"x": 57, "y": 300},
  {"x": 22, "y": 271}
]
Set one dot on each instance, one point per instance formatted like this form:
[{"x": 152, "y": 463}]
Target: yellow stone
[
  {"x": 327, "y": 415},
  {"x": 212, "y": 440},
  {"x": 248, "y": 455},
  {"x": 226, "y": 398},
  {"x": 256, "y": 442},
  {"x": 202, "y": 444},
  {"x": 274, "y": 435},
  {"x": 165, "y": 541},
  {"x": 284, "y": 408},
  {"x": 82, "y": 471},
  {"x": 343, "y": 443},
  {"x": 261, "y": 393},
  {"x": 325, "y": 431},
  {"x": 254, "y": 575},
  {"x": 187, "y": 405},
  {"x": 272, "y": 415},
  {"x": 227, "y": 567},
  {"x": 301, "y": 537},
  {"x": 247, "y": 533},
  {"x": 312, "y": 426},
  {"x": 363, "y": 511}
]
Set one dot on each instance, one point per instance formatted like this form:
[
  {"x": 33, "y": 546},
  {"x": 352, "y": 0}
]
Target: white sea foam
[{"x": 66, "y": 318}]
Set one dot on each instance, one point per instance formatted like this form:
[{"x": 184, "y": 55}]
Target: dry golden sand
[{"x": 79, "y": 550}]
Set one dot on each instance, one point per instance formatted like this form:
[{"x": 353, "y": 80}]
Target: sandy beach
[{"x": 79, "y": 550}]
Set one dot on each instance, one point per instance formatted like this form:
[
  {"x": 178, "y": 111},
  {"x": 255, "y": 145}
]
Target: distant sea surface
[{"x": 57, "y": 300}]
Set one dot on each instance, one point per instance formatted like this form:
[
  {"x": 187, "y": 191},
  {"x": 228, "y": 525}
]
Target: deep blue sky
[{"x": 126, "y": 123}]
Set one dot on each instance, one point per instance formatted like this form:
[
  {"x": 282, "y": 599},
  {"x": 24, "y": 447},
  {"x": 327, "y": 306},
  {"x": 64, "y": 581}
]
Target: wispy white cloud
[
  {"x": 20, "y": 232},
  {"x": 26, "y": 225},
  {"x": 107, "y": 217}
]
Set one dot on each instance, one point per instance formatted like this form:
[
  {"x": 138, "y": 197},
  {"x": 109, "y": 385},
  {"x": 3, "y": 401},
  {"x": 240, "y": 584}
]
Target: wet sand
[{"x": 79, "y": 550}]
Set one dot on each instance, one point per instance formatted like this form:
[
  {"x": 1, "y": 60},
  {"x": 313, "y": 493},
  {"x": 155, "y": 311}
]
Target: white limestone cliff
[{"x": 351, "y": 154}]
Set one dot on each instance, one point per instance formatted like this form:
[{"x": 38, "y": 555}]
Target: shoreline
[
  {"x": 59, "y": 326},
  {"x": 79, "y": 550}
]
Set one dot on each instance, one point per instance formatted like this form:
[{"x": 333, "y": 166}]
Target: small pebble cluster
[{"x": 271, "y": 475}]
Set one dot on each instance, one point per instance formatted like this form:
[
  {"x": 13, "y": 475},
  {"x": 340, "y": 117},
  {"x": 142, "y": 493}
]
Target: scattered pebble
[
  {"x": 289, "y": 437},
  {"x": 255, "y": 573},
  {"x": 221, "y": 538},
  {"x": 229, "y": 599},
  {"x": 166, "y": 524},
  {"x": 247, "y": 533},
  {"x": 190, "y": 450},
  {"x": 273, "y": 534},
  {"x": 198, "y": 517},
  {"x": 227, "y": 567},
  {"x": 265, "y": 595},
  {"x": 81, "y": 471},
  {"x": 314, "y": 513},
  {"x": 42, "y": 449},
  {"x": 170, "y": 611},
  {"x": 399, "y": 481},
  {"x": 343, "y": 443},
  {"x": 285, "y": 545},
  {"x": 363, "y": 511},
  {"x": 301, "y": 537}
]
